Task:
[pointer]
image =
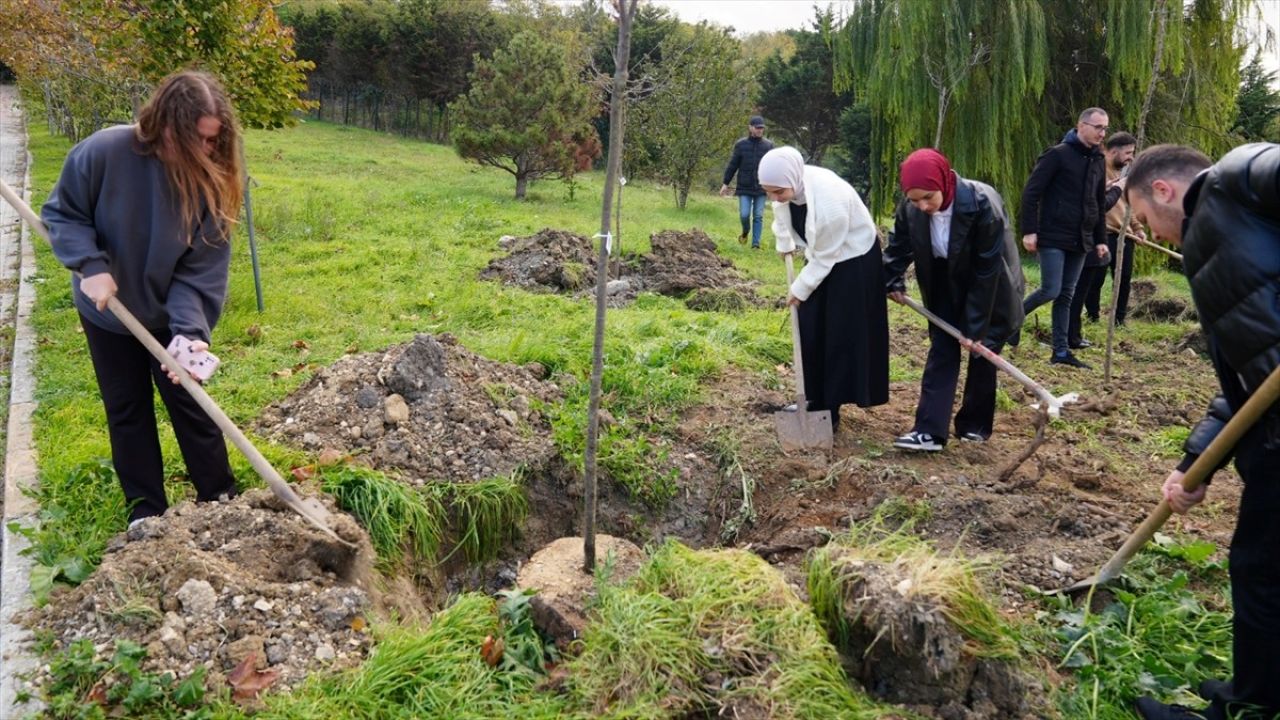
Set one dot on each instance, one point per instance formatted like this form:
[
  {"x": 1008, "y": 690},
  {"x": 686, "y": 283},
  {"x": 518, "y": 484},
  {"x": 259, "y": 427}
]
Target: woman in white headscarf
[{"x": 844, "y": 325}]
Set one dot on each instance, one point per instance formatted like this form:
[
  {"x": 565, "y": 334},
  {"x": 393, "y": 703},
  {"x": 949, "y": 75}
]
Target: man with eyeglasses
[{"x": 1063, "y": 219}]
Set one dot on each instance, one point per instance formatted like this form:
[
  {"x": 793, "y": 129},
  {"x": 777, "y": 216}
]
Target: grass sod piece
[
  {"x": 695, "y": 631},
  {"x": 486, "y": 514},
  {"x": 399, "y": 518},
  {"x": 427, "y": 672},
  {"x": 951, "y": 580}
]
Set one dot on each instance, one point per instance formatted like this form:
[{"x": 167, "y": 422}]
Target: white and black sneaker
[
  {"x": 972, "y": 437},
  {"x": 918, "y": 441}
]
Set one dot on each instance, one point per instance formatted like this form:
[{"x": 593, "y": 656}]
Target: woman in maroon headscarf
[{"x": 960, "y": 238}]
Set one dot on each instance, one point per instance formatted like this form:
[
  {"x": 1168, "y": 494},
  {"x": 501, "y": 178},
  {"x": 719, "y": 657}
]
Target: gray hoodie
[{"x": 114, "y": 210}]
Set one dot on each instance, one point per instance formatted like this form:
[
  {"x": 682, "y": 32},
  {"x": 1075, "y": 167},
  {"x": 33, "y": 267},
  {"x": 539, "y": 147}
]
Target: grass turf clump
[
  {"x": 709, "y": 632},
  {"x": 951, "y": 581}
]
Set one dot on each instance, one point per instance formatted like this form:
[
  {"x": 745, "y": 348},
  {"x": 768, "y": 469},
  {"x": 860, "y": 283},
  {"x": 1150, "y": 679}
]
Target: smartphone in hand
[{"x": 200, "y": 364}]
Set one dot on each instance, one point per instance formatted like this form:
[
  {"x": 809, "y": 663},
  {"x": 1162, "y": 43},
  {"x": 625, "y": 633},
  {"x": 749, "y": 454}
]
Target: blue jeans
[
  {"x": 1059, "y": 271},
  {"x": 751, "y": 213}
]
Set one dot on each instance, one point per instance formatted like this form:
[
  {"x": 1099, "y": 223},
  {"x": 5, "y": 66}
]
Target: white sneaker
[{"x": 918, "y": 441}]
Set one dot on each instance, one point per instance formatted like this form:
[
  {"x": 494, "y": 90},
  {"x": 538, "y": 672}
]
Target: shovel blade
[{"x": 804, "y": 430}]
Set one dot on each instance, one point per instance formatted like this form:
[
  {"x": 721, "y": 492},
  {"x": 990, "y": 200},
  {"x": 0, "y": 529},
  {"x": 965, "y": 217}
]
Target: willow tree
[
  {"x": 1013, "y": 74},
  {"x": 977, "y": 69}
]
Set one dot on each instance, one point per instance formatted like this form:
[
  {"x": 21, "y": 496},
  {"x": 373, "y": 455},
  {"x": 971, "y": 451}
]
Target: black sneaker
[
  {"x": 1080, "y": 344},
  {"x": 918, "y": 441},
  {"x": 1015, "y": 338},
  {"x": 972, "y": 437},
  {"x": 1152, "y": 709},
  {"x": 742, "y": 238},
  {"x": 1069, "y": 359}
]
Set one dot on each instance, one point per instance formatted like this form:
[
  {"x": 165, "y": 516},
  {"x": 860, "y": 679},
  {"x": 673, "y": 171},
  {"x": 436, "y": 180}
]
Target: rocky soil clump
[
  {"x": 428, "y": 408},
  {"x": 214, "y": 583}
]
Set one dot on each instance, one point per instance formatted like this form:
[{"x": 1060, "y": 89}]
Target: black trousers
[
  {"x": 942, "y": 374},
  {"x": 1088, "y": 290},
  {"x": 126, "y": 372},
  {"x": 1255, "y": 580},
  {"x": 1093, "y": 278}
]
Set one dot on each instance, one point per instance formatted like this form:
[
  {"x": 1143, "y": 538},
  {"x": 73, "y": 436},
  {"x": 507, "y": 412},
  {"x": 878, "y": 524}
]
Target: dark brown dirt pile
[
  {"x": 209, "y": 584},
  {"x": 549, "y": 260},
  {"x": 429, "y": 408},
  {"x": 680, "y": 264},
  {"x": 1149, "y": 304}
]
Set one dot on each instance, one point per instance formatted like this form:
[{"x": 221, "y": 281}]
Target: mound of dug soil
[
  {"x": 680, "y": 264},
  {"x": 1149, "y": 304},
  {"x": 429, "y": 408},
  {"x": 549, "y": 260},
  {"x": 211, "y": 584}
]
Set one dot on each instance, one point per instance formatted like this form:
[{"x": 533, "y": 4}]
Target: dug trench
[{"x": 433, "y": 416}]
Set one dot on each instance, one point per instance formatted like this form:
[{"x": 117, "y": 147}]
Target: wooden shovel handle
[
  {"x": 1213, "y": 456},
  {"x": 797, "y": 357},
  {"x": 206, "y": 403}
]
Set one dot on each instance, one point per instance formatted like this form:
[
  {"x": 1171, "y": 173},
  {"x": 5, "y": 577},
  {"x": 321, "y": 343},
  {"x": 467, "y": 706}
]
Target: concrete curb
[{"x": 16, "y": 657}]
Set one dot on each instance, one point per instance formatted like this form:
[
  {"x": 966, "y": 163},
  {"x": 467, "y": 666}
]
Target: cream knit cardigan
[{"x": 838, "y": 228}]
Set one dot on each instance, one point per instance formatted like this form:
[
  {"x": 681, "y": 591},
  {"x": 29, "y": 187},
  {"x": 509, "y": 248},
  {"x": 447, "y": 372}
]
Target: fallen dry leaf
[
  {"x": 358, "y": 624},
  {"x": 248, "y": 681},
  {"x": 97, "y": 695},
  {"x": 303, "y": 474},
  {"x": 492, "y": 650},
  {"x": 302, "y": 344},
  {"x": 283, "y": 373}
]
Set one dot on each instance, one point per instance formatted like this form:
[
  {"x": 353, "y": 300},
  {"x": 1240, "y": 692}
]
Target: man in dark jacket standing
[
  {"x": 745, "y": 163},
  {"x": 1227, "y": 220},
  {"x": 1063, "y": 218},
  {"x": 961, "y": 241}
]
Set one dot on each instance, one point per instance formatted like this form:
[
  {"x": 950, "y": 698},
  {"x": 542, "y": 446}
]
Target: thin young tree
[{"x": 626, "y": 11}]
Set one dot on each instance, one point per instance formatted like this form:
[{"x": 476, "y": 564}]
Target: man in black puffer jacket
[
  {"x": 1063, "y": 218},
  {"x": 1227, "y": 219}
]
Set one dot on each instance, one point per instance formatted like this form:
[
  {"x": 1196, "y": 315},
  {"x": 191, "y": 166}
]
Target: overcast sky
[{"x": 748, "y": 16}]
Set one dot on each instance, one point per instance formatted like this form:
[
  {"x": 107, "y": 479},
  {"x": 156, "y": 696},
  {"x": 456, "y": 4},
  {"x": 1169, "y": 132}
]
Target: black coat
[
  {"x": 983, "y": 271},
  {"x": 1231, "y": 255},
  {"x": 1064, "y": 200},
  {"x": 746, "y": 163}
]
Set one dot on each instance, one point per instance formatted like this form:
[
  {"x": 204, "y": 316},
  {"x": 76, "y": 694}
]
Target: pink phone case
[{"x": 200, "y": 364}]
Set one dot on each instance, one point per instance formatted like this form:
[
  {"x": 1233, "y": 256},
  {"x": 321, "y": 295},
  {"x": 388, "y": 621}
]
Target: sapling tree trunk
[{"x": 626, "y": 10}]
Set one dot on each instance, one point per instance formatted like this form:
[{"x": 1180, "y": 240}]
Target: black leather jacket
[
  {"x": 1231, "y": 255},
  {"x": 983, "y": 271}
]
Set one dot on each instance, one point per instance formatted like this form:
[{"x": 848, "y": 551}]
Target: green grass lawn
[{"x": 366, "y": 239}]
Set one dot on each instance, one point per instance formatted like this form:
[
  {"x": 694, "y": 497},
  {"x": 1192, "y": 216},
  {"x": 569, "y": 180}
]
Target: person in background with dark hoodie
[
  {"x": 144, "y": 212},
  {"x": 1063, "y": 218},
  {"x": 745, "y": 163},
  {"x": 1227, "y": 220},
  {"x": 959, "y": 236}
]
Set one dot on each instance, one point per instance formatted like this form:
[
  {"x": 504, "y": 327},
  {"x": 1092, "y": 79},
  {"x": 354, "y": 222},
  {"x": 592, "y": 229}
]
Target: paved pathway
[{"x": 17, "y": 382}]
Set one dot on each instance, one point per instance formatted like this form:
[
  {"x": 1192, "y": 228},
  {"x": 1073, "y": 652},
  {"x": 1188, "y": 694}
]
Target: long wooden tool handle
[
  {"x": 1243, "y": 419},
  {"x": 256, "y": 459},
  {"x": 983, "y": 351},
  {"x": 797, "y": 357},
  {"x": 1147, "y": 243}
]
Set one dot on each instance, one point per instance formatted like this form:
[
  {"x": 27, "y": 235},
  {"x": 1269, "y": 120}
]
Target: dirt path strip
[{"x": 17, "y": 296}]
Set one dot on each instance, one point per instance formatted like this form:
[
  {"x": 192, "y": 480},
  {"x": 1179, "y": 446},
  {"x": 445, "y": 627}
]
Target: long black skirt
[{"x": 844, "y": 336}]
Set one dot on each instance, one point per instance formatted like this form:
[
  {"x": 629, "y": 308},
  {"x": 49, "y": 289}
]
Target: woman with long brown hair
[{"x": 145, "y": 212}]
